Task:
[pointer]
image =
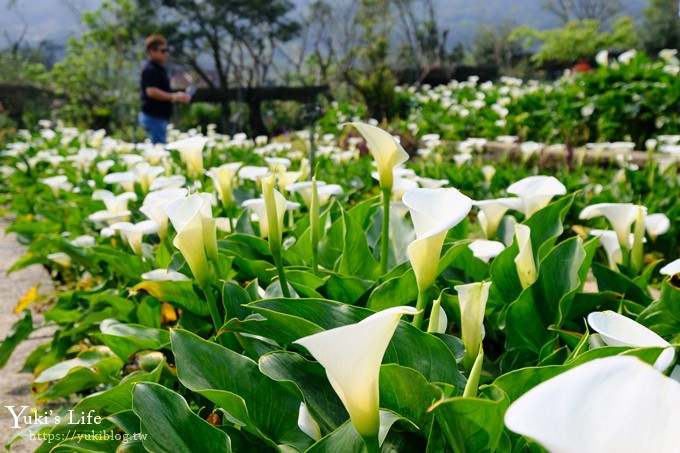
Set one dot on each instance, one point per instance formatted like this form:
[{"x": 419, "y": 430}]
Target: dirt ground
[{"x": 15, "y": 387}]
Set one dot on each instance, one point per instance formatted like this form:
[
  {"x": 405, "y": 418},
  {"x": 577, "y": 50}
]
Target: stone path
[{"x": 15, "y": 387}]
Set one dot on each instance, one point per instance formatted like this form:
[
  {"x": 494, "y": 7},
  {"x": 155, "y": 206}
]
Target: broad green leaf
[
  {"x": 126, "y": 339},
  {"x": 310, "y": 377},
  {"x": 610, "y": 280},
  {"x": 663, "y": 315},
  {"x": 170, "y": 425},
  {"x": 177, "y": 294},
  {"x": 473, "y": 424},
  {"x": 261, "y": 405}
]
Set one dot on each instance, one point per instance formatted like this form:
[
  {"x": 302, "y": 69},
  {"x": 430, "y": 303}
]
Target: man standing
[{"x": 157, "y": 99}]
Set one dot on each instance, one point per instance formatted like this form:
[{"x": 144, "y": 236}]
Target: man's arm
[{"x": 160, "y": 95}]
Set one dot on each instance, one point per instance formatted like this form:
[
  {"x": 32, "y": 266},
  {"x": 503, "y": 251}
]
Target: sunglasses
[{"x": 163, "y": 50}]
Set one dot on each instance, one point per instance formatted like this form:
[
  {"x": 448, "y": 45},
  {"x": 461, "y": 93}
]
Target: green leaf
[
  {"x": 407, "y": 393},
  {"x": 261, "y": 405},
  {"x": 347, "y": 439},
  {"x": 663, "y": 315},
  {"x": 122, "y": 263},
  {"x": 170, "y": 425},
  {"x": 356, "y": 258},
  {"x": 610, "y": 280},
  {"x": 177, "y": 294},
  {"x": 310, "y": 378},
  {"x": 546, "y": 225},
  {"x": 286, "y": 320},
  {"x": 473, "y": 424},
  {"x": 126, "y": 339},
  {"x": 19, "y": 332},
  {"x": 401, "y": 290}
]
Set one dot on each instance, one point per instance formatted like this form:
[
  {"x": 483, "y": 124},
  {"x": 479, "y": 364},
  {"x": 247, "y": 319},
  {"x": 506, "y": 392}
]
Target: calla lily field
[{"x": 219, "y": 294}]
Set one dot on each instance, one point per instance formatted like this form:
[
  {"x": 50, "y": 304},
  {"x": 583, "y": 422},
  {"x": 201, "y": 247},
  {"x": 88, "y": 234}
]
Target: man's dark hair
[{"x": 154, "y": 41}]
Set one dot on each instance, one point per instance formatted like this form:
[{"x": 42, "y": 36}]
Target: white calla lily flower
[
  {"x": 657, "y": 224},
  {"x": 671, "y": 268},
  {"x": 155, "y": 203},
  {"x": 589, "y": 408},
  {"x": 125, "y": 179},
  {"x": 57, "y": 183},
  {"x": 223, "y": 179},
  {"x": 191, "y": 152},
  {"x": 611, "y": 245},
  {"x": 168, "y": 182},
  {"x": 537, "y": 191},
  {"x": 196, "y": 232},
  {"x": 485, "y": 250},
  {"x": 620, "y": 216},
  {"x": 60, "y": 258},
  {"x": 325, "y": 191},
  {"x": 164, "y": 275},
  {"x": 114, "y": 203},
  {"x": 618, "y": 330},
  {"x": 134, "y": 233},
  {"x": 526, "y": 266},
  {"x": 472, "y": 299},
  {"x": 385, "y": 149},
  {"x": 252, "y": 173},
  {"x": 433, "y": 212},
  {"x": 258, "y": 207},
  {"x": 492, "y": 212},
  {"x": 352, "y": 356}
]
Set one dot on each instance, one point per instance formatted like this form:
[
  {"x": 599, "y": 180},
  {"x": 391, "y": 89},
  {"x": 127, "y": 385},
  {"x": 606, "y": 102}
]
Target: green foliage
[
  {"x": 661, "y": 26},
  {"x": 577, "y": 40}
]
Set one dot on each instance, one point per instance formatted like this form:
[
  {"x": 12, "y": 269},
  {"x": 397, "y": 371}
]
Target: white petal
[
  {"x": 671, "y": 268},
  {"x": 485, "y": 250},
  {"x": 618, "y": 330},
  {"x": 164, "y": 275},
  {"x": 615, "y": 404},
  {"x": 537, "y": 191}
]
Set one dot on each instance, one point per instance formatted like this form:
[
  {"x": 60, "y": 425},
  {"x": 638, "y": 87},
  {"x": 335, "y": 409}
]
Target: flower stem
[
  {"x": 282, "y": 273},
  {"x": 212, "y": 306},
  {"x": 421, "y": 305},
  {"x": 385, "y": 237},
  {"x": 372, "y": 444},
  {"x": 315, "y": 227}
]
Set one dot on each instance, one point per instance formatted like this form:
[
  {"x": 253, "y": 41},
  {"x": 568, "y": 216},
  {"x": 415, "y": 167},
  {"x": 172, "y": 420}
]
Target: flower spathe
[
  {"x": 325, "y": 191},
  {"x": 526, "y": 266},
  {"x": 191, "y": 152},
  {"x": 223, "y": 180},
  {"x": 433, "y": 212},
  {"x": 671, "y": 268},
  {"x": 536, "y": 191},
  {"x": 620, "y": 216},
  {"x": 618, "y": 330},
  {"x": 472, "y": 299},
  {"x": 385, "y": 149},
  {"x": 351, "y": 356},
  {"x": 133, "y": 233},
  {"x": 492, "y": 212},
  {"x": 614, "y": 404},
  {"x": 196, "y": 232}
]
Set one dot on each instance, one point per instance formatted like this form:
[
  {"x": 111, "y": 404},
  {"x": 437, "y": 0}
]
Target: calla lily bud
[
  {"x": 588, "y": 409},
  {"x": 636, "y": 256},
  {"x": 191, "y": 152},
  {"x": 275, "y": 205},
  {"x": 352, "y": 355},
  {"x": 472, "y": 299},
  {"x": 385, "y": 149},
  {"x": 433, "y": 212},
  {"x": 526, "y": 266}
]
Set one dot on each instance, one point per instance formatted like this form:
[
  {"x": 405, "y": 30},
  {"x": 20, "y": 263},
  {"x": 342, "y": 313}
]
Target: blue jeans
[{"x": 156, "y": 128}]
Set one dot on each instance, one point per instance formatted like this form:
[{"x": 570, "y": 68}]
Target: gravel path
[{"x": 15, "y": 387}]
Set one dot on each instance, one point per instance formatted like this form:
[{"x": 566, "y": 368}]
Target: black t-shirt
[{"x": 155, "y": 75}]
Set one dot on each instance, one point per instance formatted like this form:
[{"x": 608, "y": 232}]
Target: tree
[
  {"x": 570, "y": 10},
  {"x": 99, "y": 75},
  {"x": 240, "y": 38},
  {"x": 492, "y": 45},
  {"x": 578, "y": 39},
  {"x": 661, "y": 26}
]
